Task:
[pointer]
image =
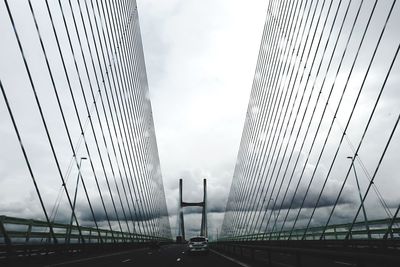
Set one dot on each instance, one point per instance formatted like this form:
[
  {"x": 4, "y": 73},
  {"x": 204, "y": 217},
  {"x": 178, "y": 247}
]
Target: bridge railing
[
  {"x": 377, "y": 230},
  {"x": 26, "y": 231}
]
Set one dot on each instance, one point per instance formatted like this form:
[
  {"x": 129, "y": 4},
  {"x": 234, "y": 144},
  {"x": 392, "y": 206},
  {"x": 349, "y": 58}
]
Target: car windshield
[{"x": 197, "y": 239}]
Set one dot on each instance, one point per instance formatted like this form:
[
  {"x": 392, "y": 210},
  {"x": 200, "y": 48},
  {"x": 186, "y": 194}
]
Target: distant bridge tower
[{"x": 182, "y": 204}]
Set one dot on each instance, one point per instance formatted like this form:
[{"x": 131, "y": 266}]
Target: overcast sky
[
  {"x": 200, "y": 62},
  {"x": 200, "y": 59}
]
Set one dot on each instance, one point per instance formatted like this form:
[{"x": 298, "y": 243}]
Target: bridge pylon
[{"x": 203, "y": 204}]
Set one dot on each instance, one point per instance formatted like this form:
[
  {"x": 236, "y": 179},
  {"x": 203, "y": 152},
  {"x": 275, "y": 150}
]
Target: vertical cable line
[
  {"x": 104, "y": 110},
  {"x": 270, "y": 128},
  {"x": 40, "y": 108},
  {"x": 125, "y": 29},
  {"x": 258, "y": 89},
  {"x": 233, "y": 189},
  {"x": 326, "y": 106},
  {"x": 97, "y": 112},
  {"x": 139, "y": 128},
  {"x": 105, "y": 113},
  {"x": 91, "y": 122},
  {"x": 295, "y": 119},
  {"x": 77, "y": 114},
  {"x": 151, "y": 123},
  {"x": 117, "y": 84},
  {"x": 251, "y": 152},
  {"x": 244, "y": 140},
  {"x": 259, "y": 127},
  {"x": 241, "y": 185},
  {"x": 150, "y": 185},
  {"x": 363, "y": 136},
  {"x": 272, "y": 106},
  {"x": 125, "y": 112},
  {"x": 146, "y": 148},
  {"x": 347, "y": 124},
  {"x": 49, "y": 224},
  {"x": 282, "y": 121},
  {"x": 116, "y": 115},
  {"x": 130, "y": 113},
  {"x": 270, "y": 122},
  {"x": 112, "y": 118},
  {"x": 151, "y": 153},
  {"x": 134, "y": 129},
  {"x": 122, "y": 82},
  {"x": 243, "y": 190},
  {"x": 270, "y": 102},
  {"x": 267, "y": 100},
  {"x": 295, "y": 64},
  {"x": 89, "y": 116},
  {"x": 61, "y": 111},
  {"x": 311, "y": 118}
]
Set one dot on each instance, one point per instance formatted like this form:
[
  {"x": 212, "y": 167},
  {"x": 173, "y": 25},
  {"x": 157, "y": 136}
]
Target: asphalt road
[
  {"x": 176, "y": 255},
  {"x": 166, "y": 256}
]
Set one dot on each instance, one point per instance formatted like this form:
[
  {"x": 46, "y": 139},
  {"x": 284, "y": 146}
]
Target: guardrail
[
  {"x": 315, "y": 252},
  {"x": 21, "y": 238},
  {"x": 23, "y": 231},
  {"x": 377, "y": 230}
]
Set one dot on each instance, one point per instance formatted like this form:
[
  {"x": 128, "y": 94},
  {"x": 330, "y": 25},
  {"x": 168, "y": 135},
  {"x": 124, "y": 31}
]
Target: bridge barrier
[
  {"x": 360, "y": 253},
  {"x": 377, "y": 230},
  {"x": 26, "y": 237}
]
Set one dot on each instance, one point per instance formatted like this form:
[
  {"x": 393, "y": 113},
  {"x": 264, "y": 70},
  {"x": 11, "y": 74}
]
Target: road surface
[{"x": 166, "y": 256}]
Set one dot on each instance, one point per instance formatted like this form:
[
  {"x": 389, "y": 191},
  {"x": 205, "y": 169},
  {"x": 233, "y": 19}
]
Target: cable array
[
  {"x": 321, "y": 65},
  {"x": 91, "y": 96}
]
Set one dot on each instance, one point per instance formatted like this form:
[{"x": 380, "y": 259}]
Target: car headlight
[{"x": 190, "y": 246}]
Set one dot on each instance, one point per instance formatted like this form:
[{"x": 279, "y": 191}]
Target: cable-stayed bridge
[
  {"x": 315, "y": 179},
  {"x": 316, "y": 160},
  {"x": 76, "y": 88}
]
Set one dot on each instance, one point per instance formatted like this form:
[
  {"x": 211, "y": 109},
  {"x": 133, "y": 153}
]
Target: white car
[{"x": 198, "y": 244}]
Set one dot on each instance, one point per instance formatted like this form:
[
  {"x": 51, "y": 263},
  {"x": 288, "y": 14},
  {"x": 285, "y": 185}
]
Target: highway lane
[{"x": 168, "y": 256}]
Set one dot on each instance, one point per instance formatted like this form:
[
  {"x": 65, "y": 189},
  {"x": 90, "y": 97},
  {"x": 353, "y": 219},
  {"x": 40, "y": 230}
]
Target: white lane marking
[
  {"x": 282, "y": 264},
  {"x": 344, "y": 263},
  {"x": 127, "y": 260},
  {"x": 94, "y": 258},
  {"x": 231, "y": 259}
]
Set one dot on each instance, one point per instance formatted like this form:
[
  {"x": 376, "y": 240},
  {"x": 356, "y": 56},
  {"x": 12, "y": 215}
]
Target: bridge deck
[{"x": 169, "y": 255}]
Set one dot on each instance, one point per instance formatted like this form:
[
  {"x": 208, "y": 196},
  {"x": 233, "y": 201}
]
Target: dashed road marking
[
  {"x": 94, "y": 258},
  {"x": 344, "y": 263},
  {"x": 231, "y": 259}
]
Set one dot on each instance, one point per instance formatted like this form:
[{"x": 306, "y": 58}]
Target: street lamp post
[
  {"x": 75, "y": 195},
  {"x": 362, "y": 202}
]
